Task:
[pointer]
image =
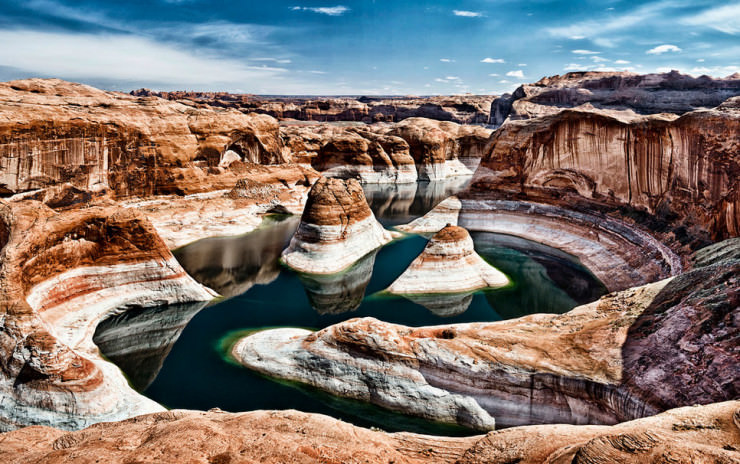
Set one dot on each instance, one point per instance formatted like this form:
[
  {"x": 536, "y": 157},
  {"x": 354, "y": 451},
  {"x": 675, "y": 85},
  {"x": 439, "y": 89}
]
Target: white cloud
[
  {"x": 317, "y": 72},
  {"x": 504, "y": 81},
  {"x": 521, "y": 65},
  {"x": 598, "y": 59},
  {"x": 492, "y": 60},
  {"x": 446, "y": 60},
  {"x": 724, "y": 18},
  {"x": 467, "y": 14},
  {"x": 584, "y": 52},
  {"x": 452, "y": 78},
  {"x": 660, "y": 49},
  {"x": 518, "y": 74},
  {"x": 574, "y": 67},
  {"x": 274, "y": 60},
  {"x": 124, "y": 57},
  {"x": 611, "y": 23},
  {"x": 700, "y": 60},
  {"x": 577, "y": 37},
  {"x": 493, "y": 75},
  {"x": 338, "y": 10},
  {"x": 621, "y": 62}
]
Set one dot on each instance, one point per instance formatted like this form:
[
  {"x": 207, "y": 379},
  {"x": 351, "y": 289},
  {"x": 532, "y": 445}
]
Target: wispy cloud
[
  {"x": 492, "y": 60},
  {"x": 584, "y": 52},
  {"x": 611, "y": 23},
  {"x": 660, "y": 49},
  {"x": 519, "y": 74},
  {"x": 446, "y": 60},
  {"x": 467, "y": 14},
  {"x": 724, "y": 18},
  {"x": 338, "y": 10},
  {"x": 621, "y": 62}
]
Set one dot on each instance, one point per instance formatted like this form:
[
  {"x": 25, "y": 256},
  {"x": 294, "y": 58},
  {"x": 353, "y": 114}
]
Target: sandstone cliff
[
  {"x": 462, "y": 109},
  {"x": 644, "y": 94},
  {"x": 631, "y": 354},
  {"x": 53, "y": 131},
  {"x": 337, "y": 228},
  {"x": 678, "y": 177},
  {"x": 61, "y": 273}
]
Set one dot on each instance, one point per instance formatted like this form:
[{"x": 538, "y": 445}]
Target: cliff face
[
  {"x": 53, "y": 131},
  {"x": 61, "y": 273},
  {"x": 628, "y": 355},
  {"x": 462, "y": 109},
  {"x": 683, "y": 172},
  {"x": 644, "y": 94}
]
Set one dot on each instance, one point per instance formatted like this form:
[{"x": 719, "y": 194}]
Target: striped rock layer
[
  {"x": 337, "y": 228},
  {"x": 61, "y": 275},
  {"x": 448, "y": 264}
]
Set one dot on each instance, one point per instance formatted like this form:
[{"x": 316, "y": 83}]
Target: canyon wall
[
  {"x": 643, "y": 94},
  {"x": 53, "y": 131},
  {"x": 462, "y": 109},
  {"x": 61, "y": 273},
  {"x": 677, "y": 176}
]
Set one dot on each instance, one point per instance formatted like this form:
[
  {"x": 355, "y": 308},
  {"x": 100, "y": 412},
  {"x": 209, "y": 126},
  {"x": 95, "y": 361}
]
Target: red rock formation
[
  {"x": 645, "y": 94},
  {"x": 676, "y": 175},
  {"x": 463, "y": 109},
  {"x": 707, "y": 434},
  {"x": 60, "y": 274},
  {"x": 54, "y": 131}
]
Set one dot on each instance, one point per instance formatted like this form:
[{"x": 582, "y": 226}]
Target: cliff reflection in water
[{"x": 232, "y": 265}]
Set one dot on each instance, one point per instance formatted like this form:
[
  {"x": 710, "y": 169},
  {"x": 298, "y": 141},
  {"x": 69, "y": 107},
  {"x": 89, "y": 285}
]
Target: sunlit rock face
[
  {"x": 676, "y": 176},
  {"x": 701, "y": 434},
  {"x": 337, "y": 228},
  {"x": 61, "y": 274},
  {"x": 643, "y": 94},
  {"x": 448, "y": 264},
  {"x": 628, "y": 355},
  {"x": 54, "y": 131}
]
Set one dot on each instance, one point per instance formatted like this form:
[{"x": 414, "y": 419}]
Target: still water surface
[{"x": 192, "y": 371}]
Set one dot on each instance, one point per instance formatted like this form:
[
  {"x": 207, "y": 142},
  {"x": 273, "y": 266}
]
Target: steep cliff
[
  {"x": 52, "y": 131},
  {"x": 678, "y": 176},
  {"x": 61, "y": 273},
  {"x": 644, "y": 94}
]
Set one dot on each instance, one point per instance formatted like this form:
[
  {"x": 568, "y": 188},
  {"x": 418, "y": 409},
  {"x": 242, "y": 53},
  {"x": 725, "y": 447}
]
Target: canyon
[{"x": 123, "y": 221}]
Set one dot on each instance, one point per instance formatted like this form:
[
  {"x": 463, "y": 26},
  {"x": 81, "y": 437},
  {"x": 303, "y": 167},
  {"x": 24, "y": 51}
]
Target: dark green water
[{"x": 191, "y": 371}]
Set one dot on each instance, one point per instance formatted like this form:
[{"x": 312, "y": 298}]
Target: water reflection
[
  {"x": 395, "y": 204},
  {"x": 139, "y": 340},
  {"x": 444, "y": 305},
  {"x": 342, "y": 292},
  {"x": 232, "y": 265}
]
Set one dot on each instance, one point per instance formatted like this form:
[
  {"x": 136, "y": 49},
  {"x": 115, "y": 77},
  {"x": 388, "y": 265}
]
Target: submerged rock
[
  {"x": 337, "y": 228},
  {"x": 448, "y": 264},
  {"x": 444, "y": 305}
]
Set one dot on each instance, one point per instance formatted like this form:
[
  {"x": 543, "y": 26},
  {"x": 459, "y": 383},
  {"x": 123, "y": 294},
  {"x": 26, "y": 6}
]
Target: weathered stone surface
[
  {"x": 620, "y": 254},
  {"x": 60, "y": 274},
  {"x": 644, "y": 94},
  {"x": 706, "y": 434},
  {"x": 52, "y": 131},
  {"x": 677, "y": 176},
  {"x": 628, "y": 355},
  {"x": 448, "y": 264},
  {"x": 337, "y": 228},
  {"x": 462, "y": 109}
]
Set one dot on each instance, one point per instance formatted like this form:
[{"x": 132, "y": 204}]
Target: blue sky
[{"x": 359, "y": 47}]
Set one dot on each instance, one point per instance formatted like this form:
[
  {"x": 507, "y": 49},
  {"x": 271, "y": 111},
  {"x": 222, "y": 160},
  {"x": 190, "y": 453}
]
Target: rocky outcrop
[
  {"x": 644, "y": 94},
  {"x": 53, "y": 132},
  {"x": 61, "y": 273},
  {"x": 706, "y": 434},
  {"x": 677, "y": 177},
  {"x": 620, "y": 254},
  {"x": 337, "y": 228},
  {"x": 448, "y": 264},
  {"x": 625, "y": 356},
  {"x": 387, "y": 153},
  {"x": 462, "y": 109},
  {"x": 442, "y": 149}
]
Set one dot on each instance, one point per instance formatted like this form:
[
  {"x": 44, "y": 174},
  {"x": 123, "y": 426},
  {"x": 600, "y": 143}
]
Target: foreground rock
[
  {"x": 448, "y": 264},
  {"x": 625, "y": 356},
  {"x": 462, "y": 109},
  {"x": 644, "y": 94},
  {"x": 61, "y": 274},
  {"x": 706, "y": 434},
  {"x": 337, "y": 228},
  {"x": 54, "y": 131}
]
